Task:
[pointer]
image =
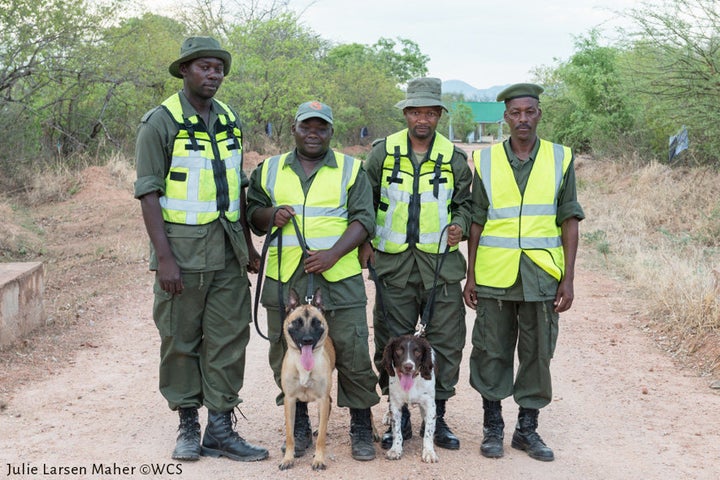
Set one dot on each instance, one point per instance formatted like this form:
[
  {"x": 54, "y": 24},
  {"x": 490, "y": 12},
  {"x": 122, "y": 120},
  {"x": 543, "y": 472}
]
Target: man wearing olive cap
[
  {"x": 421, "y": 193},
  {"x": 521, "y": 266},
  {"x": 328, "y": 194},
  {"x": 191, "y": 188}
]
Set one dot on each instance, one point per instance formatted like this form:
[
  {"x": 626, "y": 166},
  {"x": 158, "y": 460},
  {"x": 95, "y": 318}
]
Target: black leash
[
  {"x": 269, "y": 237},
  {"x": 379, "y": 298},
  {"x": 430, "y": 305}
]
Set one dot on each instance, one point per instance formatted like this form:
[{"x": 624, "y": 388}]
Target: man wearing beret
[
  {"x": 521, "y": 266},
  {"x": 328, "y": 195},
  {"x": 421, "y": 194},
  {"x": 191, "y": 188}
]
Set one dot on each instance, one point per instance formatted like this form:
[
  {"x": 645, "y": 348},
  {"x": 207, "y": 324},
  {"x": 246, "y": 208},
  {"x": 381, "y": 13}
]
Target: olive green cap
[
  {"x": 423, "y": 92},
  {"x": 314, "y": 109},
  {"x": 520, "y": 90},
  {"x": 200, "y": 47}
]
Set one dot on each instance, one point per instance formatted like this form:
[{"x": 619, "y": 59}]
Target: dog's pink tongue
[
  {"x": 306, "y": 357},
  {"x": 406, "y": 382}
]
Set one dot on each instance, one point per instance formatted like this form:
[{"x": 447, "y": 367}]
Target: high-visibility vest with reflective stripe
[
  {"x": 415, "y": 199},
  {"x": 203, "y": 181},
  {"x": 322, "y": 215},
  {"x": 520, "y": 223}
]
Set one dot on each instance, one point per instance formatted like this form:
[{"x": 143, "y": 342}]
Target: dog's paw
[
  {"x": 286, "y": 463},
  {"x": 318, "y": 465},
  {"x": 393, "y": 454},
  {"x": 429, "y": 456}
]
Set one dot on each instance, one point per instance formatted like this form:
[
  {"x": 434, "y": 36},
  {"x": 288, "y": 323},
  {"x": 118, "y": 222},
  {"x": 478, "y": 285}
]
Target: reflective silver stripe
[
  {"x": 540, "y": 242},
  {"x": 326, "y": 212},
  {"x": 272, "y": 169},
  {"x": 535, "y": 210},
  {"x": 500, "y": 213},
  {"x": 189, "y": 206},
  {"x": 346, "y": 177},
  {"x": 485, "y": 171},
  {"x": 320, "y": 243},
  {"x": 559, "y": 153},
  {"x": 195, "y": 162},
  {"x": 386, "y": 234},
  {"x": 525, "y": 243},
  {"x": 429, "y": 238}
]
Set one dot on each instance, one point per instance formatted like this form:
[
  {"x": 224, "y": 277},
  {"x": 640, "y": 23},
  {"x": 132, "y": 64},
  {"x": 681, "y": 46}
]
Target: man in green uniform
[
  {"x": 329, "y": 196},
  {"x": 421, "y": 194},
  {"x": 521, "y": 266},
  {"x": 191, "y": 185}
]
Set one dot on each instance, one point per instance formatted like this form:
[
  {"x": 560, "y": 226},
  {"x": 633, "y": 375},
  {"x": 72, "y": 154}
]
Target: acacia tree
[{"x": 675, "y": 68}]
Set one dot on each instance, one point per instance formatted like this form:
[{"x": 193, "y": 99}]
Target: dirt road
[{"x": 621, "y": 410}]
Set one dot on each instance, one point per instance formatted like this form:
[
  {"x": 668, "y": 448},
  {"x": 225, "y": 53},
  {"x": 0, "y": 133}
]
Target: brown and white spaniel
[{"x": 410, "y": 363}]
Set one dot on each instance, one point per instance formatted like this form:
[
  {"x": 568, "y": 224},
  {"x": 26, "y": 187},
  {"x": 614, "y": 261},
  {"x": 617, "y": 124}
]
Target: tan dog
[{"x": 306, "y": 373}]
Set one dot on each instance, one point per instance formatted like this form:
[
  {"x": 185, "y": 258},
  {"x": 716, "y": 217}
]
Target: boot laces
[{"x": 230, "y": 423}]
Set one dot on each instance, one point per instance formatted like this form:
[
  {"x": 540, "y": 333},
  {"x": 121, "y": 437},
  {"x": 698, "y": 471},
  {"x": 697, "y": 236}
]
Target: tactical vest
[
  {"x": 415, "y": 199},
  {"x": 203, "y": 182},
  {"x": 520, "y": 223},
  {"x": 322, "y": 215}
]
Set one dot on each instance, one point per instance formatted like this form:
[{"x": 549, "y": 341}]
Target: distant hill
[{"x": 471, "y": 93}]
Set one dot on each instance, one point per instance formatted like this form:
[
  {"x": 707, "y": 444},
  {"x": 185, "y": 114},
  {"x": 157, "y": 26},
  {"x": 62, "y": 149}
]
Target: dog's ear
[
  {"x": 426, "y": 363},
  {"x": 388, "y": 354},
  {"x": 293, "y": 301},
  {"x": 317, "y": 300}
]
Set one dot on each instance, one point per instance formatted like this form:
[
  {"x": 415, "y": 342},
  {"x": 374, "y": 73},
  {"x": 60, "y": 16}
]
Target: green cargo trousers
[
  {"x": 500, "y": 326},
  {"x": 445, "y": 331},
  {"x": 204, "y": 332},
  {"x": 349, "y": 332}
]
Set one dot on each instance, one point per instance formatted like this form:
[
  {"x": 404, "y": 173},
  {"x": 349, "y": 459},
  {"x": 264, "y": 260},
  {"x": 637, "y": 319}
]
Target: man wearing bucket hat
[
  {"x": 521, "y": 265},
  {"x": 329, "y": 196},
  {"x": 421, "y": 194},
  {"x": 191, "y": 188}
]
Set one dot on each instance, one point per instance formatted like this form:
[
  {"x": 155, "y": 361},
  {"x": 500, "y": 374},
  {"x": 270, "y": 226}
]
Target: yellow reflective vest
[
  {"x": 321, "y": 215},
  {"x": 518, "y": 223},
  {"x": 415, "y": 200},
  {"x": 203, "y": 181}
]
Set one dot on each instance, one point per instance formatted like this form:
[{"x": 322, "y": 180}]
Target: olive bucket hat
[
  {"x": 198, "y": 47},
  {"x": 423, "y": 92}
]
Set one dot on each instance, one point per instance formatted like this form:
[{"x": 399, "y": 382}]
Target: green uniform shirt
[
  {"x": 342, "y": 294},
  {"x": 533, "y": 283},
  {"x": 396, "y": 268},
  {"x": 155, "y": 140}
]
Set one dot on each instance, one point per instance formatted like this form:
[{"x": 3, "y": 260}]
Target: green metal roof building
[{"x": 485, "y": 113}]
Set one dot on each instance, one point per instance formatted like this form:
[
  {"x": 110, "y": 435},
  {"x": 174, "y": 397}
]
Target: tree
[
  {"x": 676, "y": 69},
  {"x": 280, "y": 69},
  {"x": 45, "y": 75},
  {"x": 403, "y": 58},
  {"x": 586, "y": 99}
]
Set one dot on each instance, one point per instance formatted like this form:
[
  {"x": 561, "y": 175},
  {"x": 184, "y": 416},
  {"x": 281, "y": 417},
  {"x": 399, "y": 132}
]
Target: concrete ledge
[{"x": 21, "y": 300}]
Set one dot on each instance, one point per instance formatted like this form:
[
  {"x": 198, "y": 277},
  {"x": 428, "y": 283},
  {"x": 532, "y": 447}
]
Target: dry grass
[{"x": 659, "y": 228}]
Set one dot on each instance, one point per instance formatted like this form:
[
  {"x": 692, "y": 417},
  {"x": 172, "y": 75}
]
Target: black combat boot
[
  {"x": 444, "y": 437},
  {"x": 405, "y": 428},
  {"x": 493, "y": 427},
  {"x": 221, "y": 439},
  {"x": 361, "y": 434},
  {"x": 527, "y": 439},
  {"x": 302, "y": 431},
  {"x": 187, "y": 446}
]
